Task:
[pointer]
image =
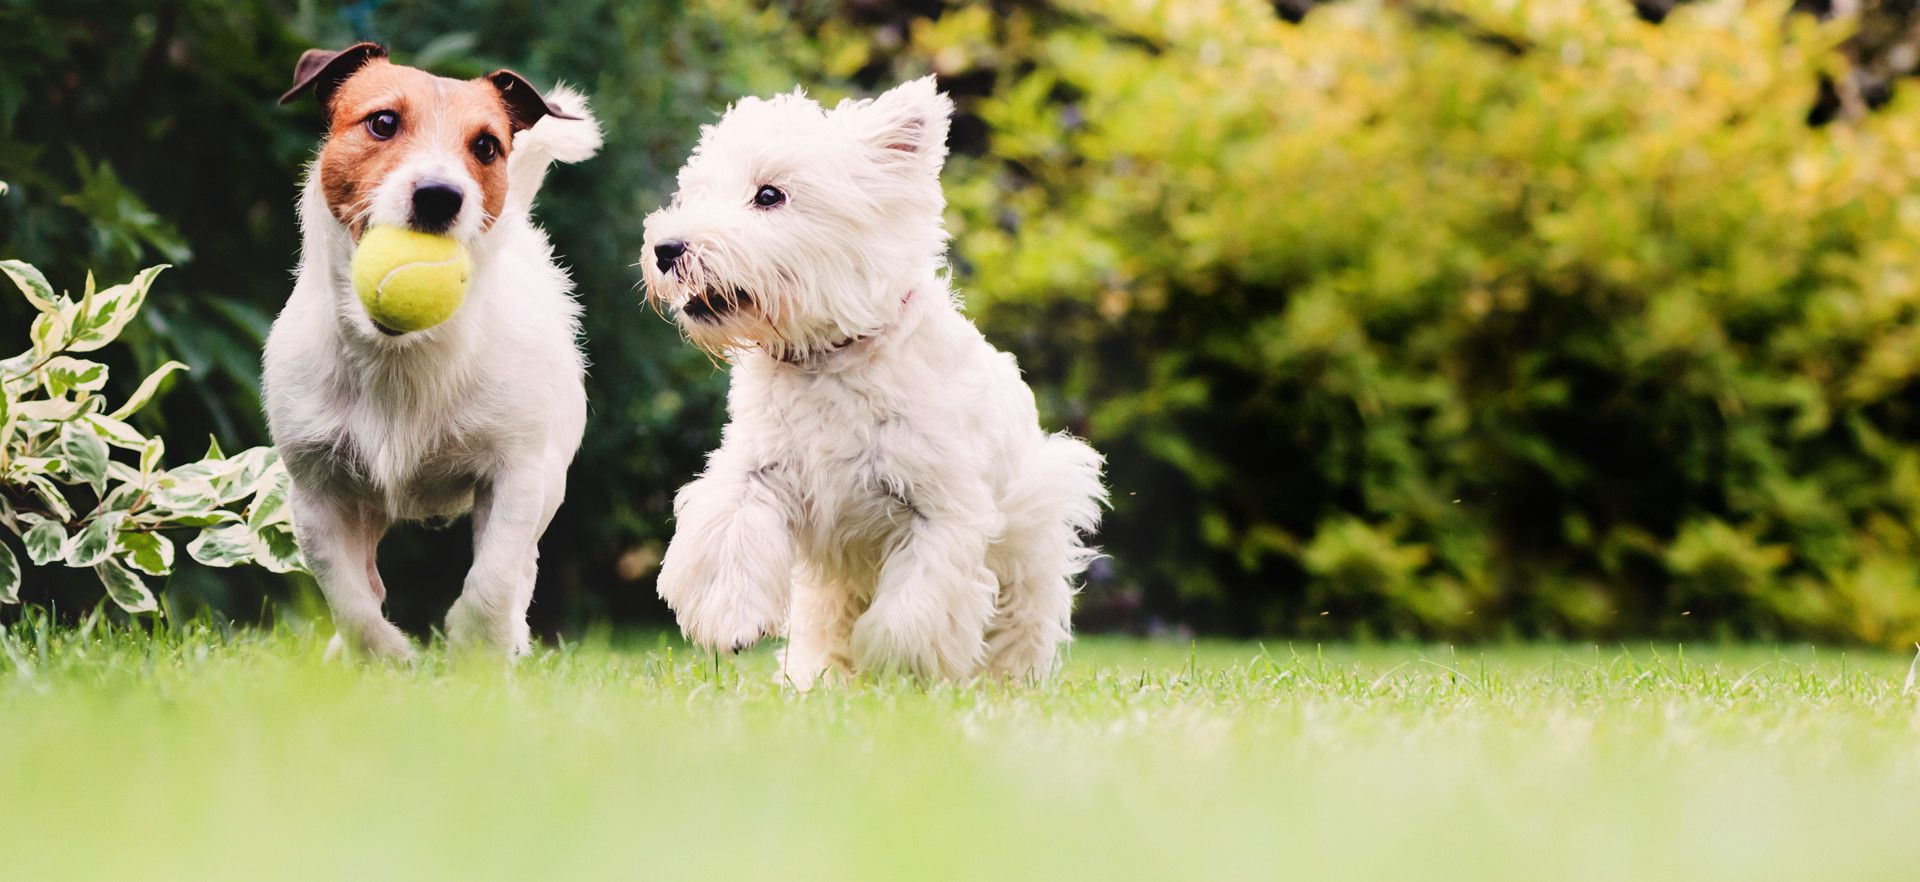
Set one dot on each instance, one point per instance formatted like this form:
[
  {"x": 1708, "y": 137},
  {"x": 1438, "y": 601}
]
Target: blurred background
[{"x": 1396, "y": 319}]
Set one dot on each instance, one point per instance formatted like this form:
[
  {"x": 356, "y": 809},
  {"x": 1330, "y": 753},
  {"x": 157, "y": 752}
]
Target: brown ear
[
  {"x": 524, "y": 104},
  {"x": 324, "y": 71}
]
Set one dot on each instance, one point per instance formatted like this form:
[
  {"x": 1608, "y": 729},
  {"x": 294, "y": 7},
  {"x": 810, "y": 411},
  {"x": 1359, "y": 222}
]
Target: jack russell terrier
[{"x": 480, "y": 413}]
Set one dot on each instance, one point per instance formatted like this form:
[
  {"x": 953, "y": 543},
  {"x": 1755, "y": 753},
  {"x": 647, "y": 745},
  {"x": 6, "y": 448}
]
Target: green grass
[{"x": 193, "y": 755}]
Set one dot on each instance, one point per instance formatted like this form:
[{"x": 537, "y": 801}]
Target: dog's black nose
[
  {"x": 434, "y": 206},
  {"x": 665, "y": 253}
]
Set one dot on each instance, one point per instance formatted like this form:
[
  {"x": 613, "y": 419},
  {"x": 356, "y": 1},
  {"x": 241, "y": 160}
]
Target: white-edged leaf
[
  {"x": 30, "y": 282},
  {"x": 108, "y": 311},
  {"x": 150, "y": 454},
  {"x": 94, "y": 541},
  {"x": 86, "y": 456},
  {"x": 37, "y": 465},
  {"x": 248, "y": 472},
  {"x": 64, "y": 373},
  {"x": 274, "y": 548},
  {"x": 49, "y": 334},
  {"x": 60, "y": 410},
  {"x": 148, "y": 552},
  {"x": 270, "y": 500},
  {"x": 145, "y": 392},
  {"x": 115, "y": 432},
  {"x": 9, "y": 576},
  {"x": 51, "y": 497},
  {"x": 222, "y": 547},
  {"x": 209, "y": 518},
  {"x": 125, "y": 587},
  {"x": 46, "y": 540}
]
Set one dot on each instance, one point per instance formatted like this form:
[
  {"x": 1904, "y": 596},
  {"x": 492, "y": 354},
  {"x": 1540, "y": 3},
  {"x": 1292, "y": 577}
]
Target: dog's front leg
[
  {"x": 509, "y": 514},
  {"x": 337, "y": 538},
  {"x": 727, "y": 573}
]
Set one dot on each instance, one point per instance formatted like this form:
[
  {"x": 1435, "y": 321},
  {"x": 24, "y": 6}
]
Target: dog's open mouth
[
  {"x": 385, "y": 330},
  {"x": 713, "y": 305}
]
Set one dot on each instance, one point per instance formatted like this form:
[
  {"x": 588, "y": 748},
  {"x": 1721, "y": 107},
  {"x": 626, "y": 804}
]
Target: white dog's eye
[{"x": 769, "y": 197}]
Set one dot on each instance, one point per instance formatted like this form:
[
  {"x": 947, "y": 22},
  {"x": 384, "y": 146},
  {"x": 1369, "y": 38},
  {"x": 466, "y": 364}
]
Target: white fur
[
  {"x": 482, "y": 412},
  {"x": 883, "y": 490}
]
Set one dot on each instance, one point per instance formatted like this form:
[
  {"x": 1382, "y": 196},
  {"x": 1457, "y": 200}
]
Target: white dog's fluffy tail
[{"x": 550, "y": 140}]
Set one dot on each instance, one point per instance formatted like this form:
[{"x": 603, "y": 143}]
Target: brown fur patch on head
[{"x": 436, "y": 114}]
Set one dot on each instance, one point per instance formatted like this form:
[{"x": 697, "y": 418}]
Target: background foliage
[{"x": 1467, "y": 319}]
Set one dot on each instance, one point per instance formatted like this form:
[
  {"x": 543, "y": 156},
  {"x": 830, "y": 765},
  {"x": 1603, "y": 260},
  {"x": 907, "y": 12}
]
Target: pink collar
[{"x": 804, "y": 358}]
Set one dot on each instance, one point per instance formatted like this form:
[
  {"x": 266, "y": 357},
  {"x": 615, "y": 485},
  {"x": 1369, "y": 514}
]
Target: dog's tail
[{"x": 550, "y": 140}]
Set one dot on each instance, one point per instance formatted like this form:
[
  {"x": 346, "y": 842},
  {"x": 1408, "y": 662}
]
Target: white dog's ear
[{"x": 911, "y": 118}]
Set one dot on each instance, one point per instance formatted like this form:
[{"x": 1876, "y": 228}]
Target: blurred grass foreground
[
  {"x": 189, "y": 755},
  {"x": 1474, "y": 318}
]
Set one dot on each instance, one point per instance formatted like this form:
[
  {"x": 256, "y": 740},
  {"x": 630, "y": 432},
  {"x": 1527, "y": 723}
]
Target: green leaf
[
  {"x": 274, "y": 548},
  {"x": 150, "y": 553},
  {"x": 86, "y": 455},
  {"x": 65, "y": 374},
  {"x": 125, "y": 587},
  {"x": 148, "y": 387},
  {"x": 31, "y": 283},
  {"x": 223, "y": 547},
  {"x": 109, "y": 311},
  {"x": 95, "y": 541},
  {"x": 9, "y": 576},
  {"x": 45, "y": 540}
]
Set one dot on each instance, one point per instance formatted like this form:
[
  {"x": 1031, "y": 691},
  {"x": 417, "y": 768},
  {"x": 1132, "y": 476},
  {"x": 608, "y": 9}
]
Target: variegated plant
[{"x": 70, "y": 499}]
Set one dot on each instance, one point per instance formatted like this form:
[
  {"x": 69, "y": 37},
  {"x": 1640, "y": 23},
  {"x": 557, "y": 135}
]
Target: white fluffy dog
[
  {"x": 482, "y": 412},
  {"x": 883, "y": 489}
]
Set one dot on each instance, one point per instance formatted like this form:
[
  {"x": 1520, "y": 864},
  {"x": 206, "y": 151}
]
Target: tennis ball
[{"x": 410, "y": 281}]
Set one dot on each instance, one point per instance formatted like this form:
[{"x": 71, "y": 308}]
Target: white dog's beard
[{"x": 717, "y": 317}]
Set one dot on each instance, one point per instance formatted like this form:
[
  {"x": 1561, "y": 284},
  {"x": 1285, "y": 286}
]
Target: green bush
[{"x": 1524, "y": 318}]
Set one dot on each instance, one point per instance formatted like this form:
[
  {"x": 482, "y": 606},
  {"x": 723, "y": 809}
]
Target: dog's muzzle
[{"x": 712, "y": 306}]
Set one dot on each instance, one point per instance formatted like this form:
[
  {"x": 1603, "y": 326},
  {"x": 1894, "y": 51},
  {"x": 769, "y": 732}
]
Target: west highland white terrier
[{"x": 883, "y": 490}]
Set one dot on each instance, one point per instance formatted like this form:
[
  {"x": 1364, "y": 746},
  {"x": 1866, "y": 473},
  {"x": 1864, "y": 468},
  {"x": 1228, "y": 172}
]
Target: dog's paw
[
  {"x": 377, "y": 642},
  {"x": 801, "y": 671},
  {"x": 730, "y": 630},
  {"x": 471, "y": 628}
]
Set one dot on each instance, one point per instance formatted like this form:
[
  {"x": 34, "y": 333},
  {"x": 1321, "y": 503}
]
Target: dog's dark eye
[
  {"x": 486, "y": 148},
  {"x": 383, "y": 125},
  {"x": 769, "y": 197}
]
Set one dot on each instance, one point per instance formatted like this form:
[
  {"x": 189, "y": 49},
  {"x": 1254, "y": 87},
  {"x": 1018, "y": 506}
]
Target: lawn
[{"x": 202, "y": 755}]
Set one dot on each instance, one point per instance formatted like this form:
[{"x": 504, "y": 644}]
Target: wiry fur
[
  {"x": 883, "y": 490},
  {"x": 482, "y": 412}
]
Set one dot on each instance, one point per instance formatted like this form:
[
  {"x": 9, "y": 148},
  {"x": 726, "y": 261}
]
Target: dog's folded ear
[
  {"x": 524, "y": 104},
  {"x": 324, "y": 71},
  {"x": 910, "y": 119}
]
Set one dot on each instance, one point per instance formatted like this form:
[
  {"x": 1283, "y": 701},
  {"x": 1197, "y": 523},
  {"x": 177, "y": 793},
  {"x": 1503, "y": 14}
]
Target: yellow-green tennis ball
[{"x": 410, "y": 281}]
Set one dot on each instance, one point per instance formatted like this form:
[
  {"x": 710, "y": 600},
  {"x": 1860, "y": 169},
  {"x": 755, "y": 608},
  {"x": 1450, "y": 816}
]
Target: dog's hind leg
[
  {"x": 932, "y": 601},
  {"x": 338, "y": 540},
  {"x": 1051, "y": 504},
  {"x": 509, "y": 514},
  {"x": 819, "y": 626}
]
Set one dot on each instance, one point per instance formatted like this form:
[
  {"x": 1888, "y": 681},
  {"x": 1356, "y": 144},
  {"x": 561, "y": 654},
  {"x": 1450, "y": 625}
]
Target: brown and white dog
[{"x": 480, "y": 413}]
